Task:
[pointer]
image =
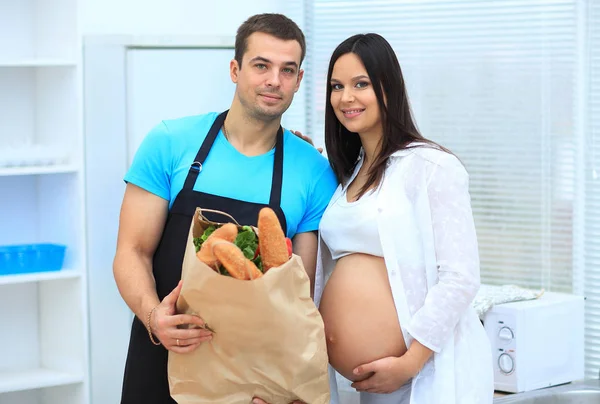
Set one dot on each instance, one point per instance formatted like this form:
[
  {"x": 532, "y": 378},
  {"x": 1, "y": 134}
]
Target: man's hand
[
  {"x": 165, "y": 321},
  {"x": 257, "y": 400},
  {"x": 306, "y": 138}
]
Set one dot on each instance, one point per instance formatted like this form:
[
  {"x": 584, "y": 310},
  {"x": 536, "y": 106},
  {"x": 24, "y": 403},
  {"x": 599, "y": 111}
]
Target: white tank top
[{"x": 351, "y": 227}]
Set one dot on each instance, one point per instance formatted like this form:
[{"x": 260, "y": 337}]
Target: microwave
[{"x": 537, "y": 343}]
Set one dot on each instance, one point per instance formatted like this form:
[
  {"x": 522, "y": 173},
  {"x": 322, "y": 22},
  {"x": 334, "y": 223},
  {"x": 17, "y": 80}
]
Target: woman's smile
[{"x": 352, "y": 113}]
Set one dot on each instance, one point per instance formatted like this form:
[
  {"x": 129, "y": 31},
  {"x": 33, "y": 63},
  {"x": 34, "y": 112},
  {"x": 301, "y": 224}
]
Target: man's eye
[
  {"x": 289, "y": 70},
  {"x": 261, "y": 66}
]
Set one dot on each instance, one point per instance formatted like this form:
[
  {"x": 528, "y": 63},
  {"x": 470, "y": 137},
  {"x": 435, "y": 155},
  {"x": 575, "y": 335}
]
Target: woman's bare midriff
[{"x": 361, "y": 322}]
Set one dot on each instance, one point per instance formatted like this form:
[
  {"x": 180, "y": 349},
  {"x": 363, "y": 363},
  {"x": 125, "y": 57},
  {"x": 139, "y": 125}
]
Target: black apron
[{"x": 145, "y": 380}]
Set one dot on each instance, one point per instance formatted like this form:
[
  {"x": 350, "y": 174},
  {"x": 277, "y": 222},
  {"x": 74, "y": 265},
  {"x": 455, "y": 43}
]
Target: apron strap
[
  {"x": 276, "y": 184},
  {"x": 196, "y": 166}
]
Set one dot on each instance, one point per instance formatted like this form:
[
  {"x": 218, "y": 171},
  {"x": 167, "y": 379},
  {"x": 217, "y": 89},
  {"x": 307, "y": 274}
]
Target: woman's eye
[
  {"x": 362, "y": 84},
  {"x": 336, "y": 87}
]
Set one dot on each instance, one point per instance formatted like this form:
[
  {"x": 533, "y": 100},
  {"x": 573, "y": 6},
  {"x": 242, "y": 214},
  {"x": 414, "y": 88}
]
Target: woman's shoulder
[{"x": 425, "y": 154}]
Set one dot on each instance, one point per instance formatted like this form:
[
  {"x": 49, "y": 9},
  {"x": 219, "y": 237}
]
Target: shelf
[
  {"x": 44, "y": 324},
  {"x": 35, "y": 379},
  {"x": 38, "y": 63},
  {"x": 38, "y": 276},
  {"x": 35, "y": 170}
]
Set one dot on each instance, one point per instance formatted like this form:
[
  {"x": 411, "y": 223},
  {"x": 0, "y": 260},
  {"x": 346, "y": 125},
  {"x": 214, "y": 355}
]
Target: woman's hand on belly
[{"x": 387, "y": 374}]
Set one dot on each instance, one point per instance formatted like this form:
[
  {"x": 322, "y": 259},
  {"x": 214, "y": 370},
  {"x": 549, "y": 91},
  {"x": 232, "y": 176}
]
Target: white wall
[{"x": 174, "y": 17}]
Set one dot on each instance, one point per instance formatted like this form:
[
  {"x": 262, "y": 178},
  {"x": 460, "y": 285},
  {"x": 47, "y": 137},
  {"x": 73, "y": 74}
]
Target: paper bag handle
[{"x": 219, "y": 213}]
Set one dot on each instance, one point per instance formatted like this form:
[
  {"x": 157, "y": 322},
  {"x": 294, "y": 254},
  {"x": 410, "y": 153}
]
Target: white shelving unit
[
  {"x": 39, "y": 276},
  {"x": 35, "y": 170},
  {"x": 44, "y": 342},
  {"x": 38, "y": 63}
]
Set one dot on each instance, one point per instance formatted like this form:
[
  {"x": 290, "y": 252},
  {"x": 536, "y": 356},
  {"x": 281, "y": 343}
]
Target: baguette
[
  {"x": 271, "y": 240},
  {"x": 227, "y": 232},
  {"x": 234, "y": 261}
]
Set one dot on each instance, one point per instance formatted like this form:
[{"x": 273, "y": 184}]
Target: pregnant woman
[{"x": 398, "y": 262}]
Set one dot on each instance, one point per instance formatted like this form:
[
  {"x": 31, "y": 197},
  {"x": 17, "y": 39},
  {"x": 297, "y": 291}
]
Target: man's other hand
[{"x": 306, "y": 139}]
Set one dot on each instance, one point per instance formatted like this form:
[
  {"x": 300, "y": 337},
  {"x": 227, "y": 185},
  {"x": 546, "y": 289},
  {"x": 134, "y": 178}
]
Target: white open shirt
[{"x": 430, "y": 248}]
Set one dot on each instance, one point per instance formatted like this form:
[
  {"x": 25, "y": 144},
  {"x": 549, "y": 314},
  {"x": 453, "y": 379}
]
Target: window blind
[
  {"x": 295, "y": 117},
  {"x": 591, "y": 217}
]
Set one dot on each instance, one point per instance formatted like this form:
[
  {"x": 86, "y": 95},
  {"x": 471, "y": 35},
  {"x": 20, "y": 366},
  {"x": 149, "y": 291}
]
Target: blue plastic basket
[{"x": 28, "y": 258}]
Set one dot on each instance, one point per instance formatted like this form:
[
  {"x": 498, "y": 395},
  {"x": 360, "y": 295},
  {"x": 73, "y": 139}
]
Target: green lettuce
[
  {"x": 247, "y": 241},
  {"x": 199, "y": 240}
]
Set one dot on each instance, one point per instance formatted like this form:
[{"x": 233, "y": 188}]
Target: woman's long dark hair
[{"x": 399, "y": 129}]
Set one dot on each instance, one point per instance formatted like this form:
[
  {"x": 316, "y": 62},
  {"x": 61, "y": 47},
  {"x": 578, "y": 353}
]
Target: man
[{"x": 238, "y": 161}]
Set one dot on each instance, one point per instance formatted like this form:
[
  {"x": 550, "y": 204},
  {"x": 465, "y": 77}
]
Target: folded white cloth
[{"x": 491, "y": 295}]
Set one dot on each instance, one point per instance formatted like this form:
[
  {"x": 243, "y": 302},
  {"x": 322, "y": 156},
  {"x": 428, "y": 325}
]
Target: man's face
[{"x": 268, "y": 77}]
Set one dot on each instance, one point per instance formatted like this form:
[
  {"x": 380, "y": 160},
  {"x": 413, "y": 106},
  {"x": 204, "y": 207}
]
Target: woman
[{"x": 398, "y": 264}]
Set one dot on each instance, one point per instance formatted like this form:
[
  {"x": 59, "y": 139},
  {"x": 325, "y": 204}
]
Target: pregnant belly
[{"x": 361, "y": 323}]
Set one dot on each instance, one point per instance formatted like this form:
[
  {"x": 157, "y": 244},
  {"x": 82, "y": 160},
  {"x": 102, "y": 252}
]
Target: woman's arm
[{"x": 455, "y": 244}]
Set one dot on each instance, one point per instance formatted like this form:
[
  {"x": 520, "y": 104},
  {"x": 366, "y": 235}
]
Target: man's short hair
[{"x": 277, "y": 25}]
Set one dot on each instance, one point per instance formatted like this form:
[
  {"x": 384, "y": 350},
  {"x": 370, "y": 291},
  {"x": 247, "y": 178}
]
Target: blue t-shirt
[{"x": 163, "y": 159}]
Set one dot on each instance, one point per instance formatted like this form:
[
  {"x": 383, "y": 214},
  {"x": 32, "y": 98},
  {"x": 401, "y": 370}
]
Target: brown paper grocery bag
[{"x": 269, "y": 339}]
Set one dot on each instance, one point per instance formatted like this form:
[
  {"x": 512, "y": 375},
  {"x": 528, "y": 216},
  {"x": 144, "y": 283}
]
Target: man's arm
[
  {"x": 142, "y": 219},
  {"x": 305, "y": 245}
]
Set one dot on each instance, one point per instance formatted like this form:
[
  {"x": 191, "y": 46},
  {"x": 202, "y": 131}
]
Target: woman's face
[{"x": 352, "y": 96}]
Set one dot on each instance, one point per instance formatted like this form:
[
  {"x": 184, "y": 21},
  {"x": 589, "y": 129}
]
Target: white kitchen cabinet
[{"x": 44, "y": 341}]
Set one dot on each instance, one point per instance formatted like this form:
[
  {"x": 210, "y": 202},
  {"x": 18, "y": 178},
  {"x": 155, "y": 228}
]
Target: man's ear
[
  {"x": 300, "y": 76},
  {"x": 234, "y": 69}
]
